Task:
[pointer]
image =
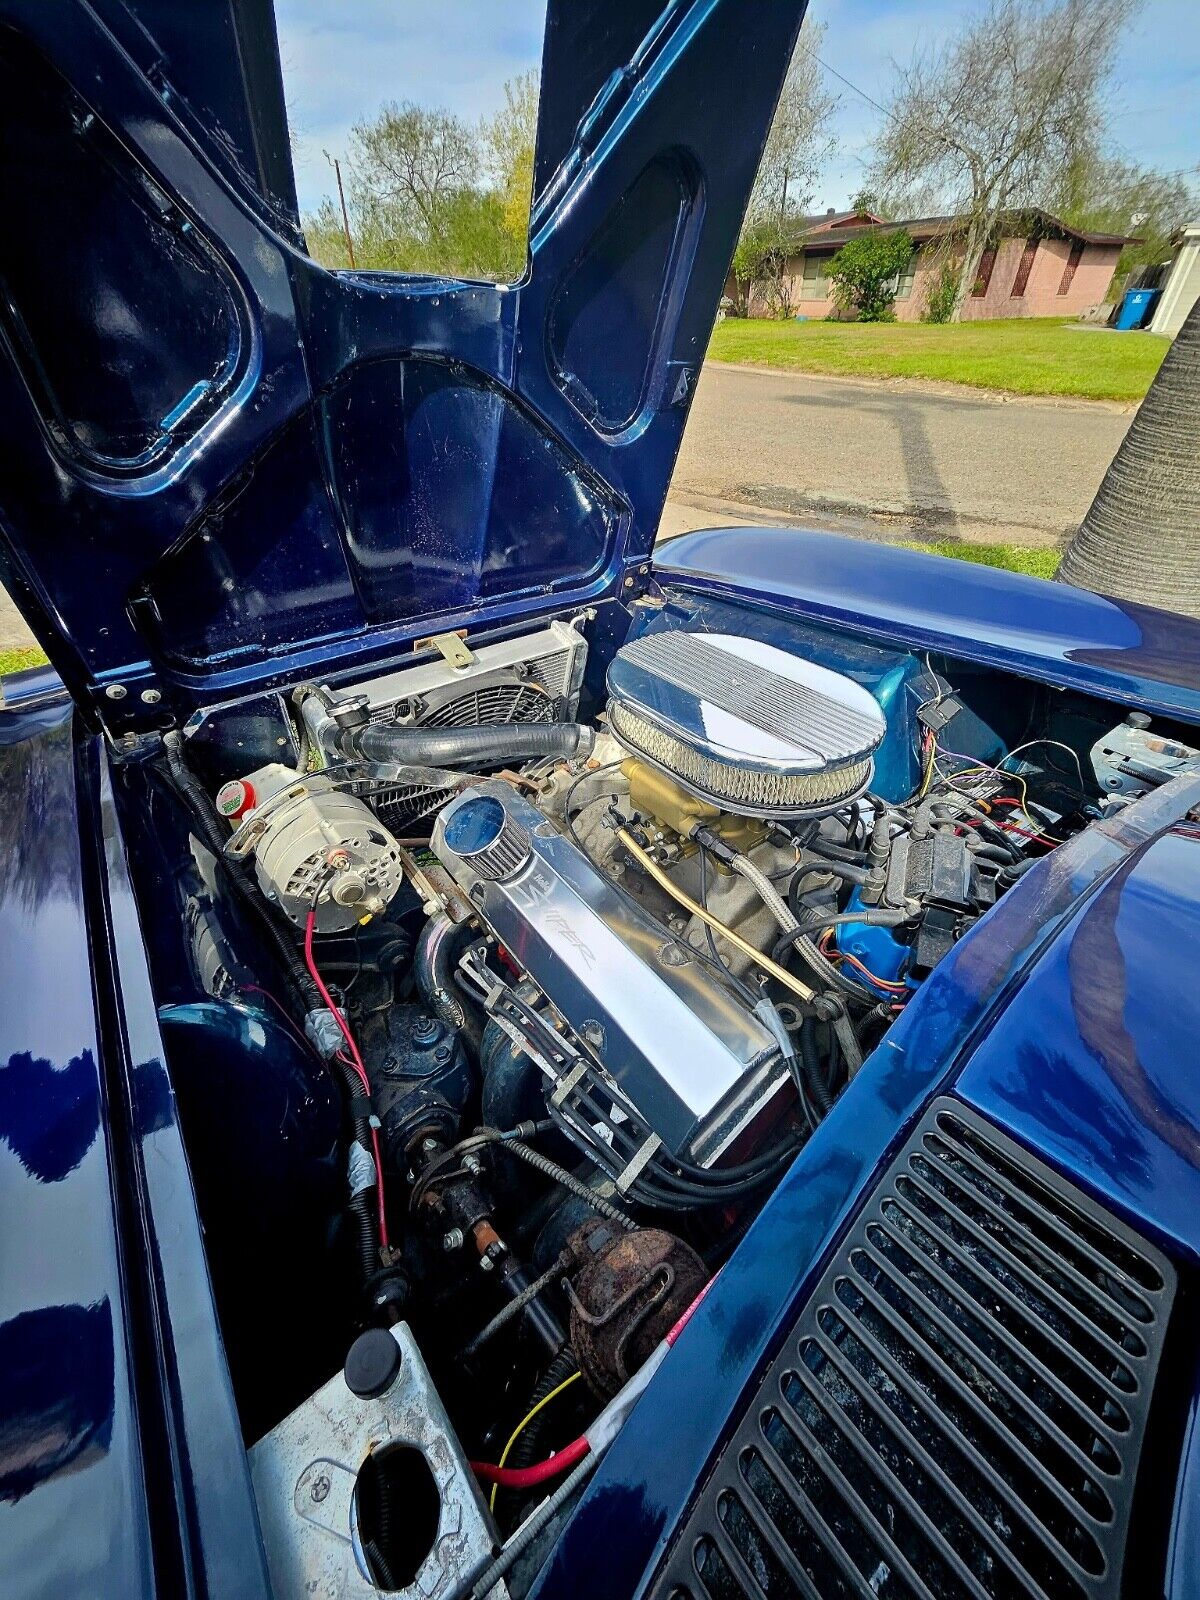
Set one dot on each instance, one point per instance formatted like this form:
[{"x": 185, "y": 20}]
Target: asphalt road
[
  {"x": 881, "y": 460},
  {"x": 891, "y": 460}
]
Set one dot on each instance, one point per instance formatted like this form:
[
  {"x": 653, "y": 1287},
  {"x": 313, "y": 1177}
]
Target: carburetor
[{"x": 316, "y": 846}]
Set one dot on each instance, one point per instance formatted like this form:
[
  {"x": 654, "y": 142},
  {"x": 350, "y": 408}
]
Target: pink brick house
[{"x": 1040, "y": 267}]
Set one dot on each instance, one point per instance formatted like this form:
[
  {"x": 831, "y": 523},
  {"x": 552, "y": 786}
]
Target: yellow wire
[
  {"x": 929, "y": 766},
  {"x": 522, "y": 1425},
  {"x": 971, "y": 772}
]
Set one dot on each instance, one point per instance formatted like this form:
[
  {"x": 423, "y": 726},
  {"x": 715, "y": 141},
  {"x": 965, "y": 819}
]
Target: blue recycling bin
[{"x": 1136, "y": 306}]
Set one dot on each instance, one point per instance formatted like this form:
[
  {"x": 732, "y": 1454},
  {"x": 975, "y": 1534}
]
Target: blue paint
[
  {"x": 341, "y": 462},
  {"x": 72, "y": 1452},
  {"x": 378, "y": 454},
  {"x": 189, "y": 1422},
  {"x": 1095, "y": 1067},
  {"x": 219, "y": 528},
  {"x": 877, "y": 948},
  {"x": 57, "y": 1382},
  {"x": 1048, "y": 632},
  {"x": 898, "y": 760},
  {"x": 230, "y": 1044},
  {"x": 103, "y": 1265},
  {"x": 188, "y": 404}
]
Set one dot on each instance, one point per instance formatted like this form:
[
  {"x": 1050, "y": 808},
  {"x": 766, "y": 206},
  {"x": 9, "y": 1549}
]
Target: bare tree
[
  {"x": 993, "y": 118},
  {"x": 414, "y": 160},
  {"x": 431, "y": 193},
  {"x": 797, "y": 147},
  {"x": 799, "y": 142}
]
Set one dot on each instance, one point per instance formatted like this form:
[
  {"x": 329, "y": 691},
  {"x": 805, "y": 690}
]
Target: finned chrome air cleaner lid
[{"x": 741, "y": 723}]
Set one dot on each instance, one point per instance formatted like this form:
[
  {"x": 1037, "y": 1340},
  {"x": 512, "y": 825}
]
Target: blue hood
[{"x": 224, "y": 466}]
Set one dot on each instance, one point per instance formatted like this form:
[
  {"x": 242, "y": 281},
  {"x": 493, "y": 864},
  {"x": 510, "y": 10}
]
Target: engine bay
[{"x": 548, "y": 954}]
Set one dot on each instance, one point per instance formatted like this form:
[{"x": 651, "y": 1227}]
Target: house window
[
  {"x": 984, "y": 276},
  {"x": 1073, "y": 261},
  {"x": 814, "y": 284},
  {"x": 904, "y": 283},
  {"x": 1026, "y": 267}
]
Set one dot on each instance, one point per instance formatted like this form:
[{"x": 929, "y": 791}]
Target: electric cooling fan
[{"x": 492, "y": 698}]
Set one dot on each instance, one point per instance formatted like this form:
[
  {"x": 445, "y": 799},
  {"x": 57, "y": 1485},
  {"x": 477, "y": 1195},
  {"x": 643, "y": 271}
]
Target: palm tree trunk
[{"x": 1141, "y": 537}]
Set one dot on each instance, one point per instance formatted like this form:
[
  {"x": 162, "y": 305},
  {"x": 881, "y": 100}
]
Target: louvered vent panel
[{"x": 961, "y": 1408}]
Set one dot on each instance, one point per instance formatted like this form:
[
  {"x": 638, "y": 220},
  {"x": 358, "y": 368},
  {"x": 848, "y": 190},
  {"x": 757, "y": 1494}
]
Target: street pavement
[{"x": 888, "y": 460}]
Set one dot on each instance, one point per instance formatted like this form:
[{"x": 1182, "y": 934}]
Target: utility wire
[{"x": 862, "y": 93}]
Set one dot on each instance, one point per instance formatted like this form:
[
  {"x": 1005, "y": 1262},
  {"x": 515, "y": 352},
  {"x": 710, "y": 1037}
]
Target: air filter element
[{"x": 740, "y": 723}]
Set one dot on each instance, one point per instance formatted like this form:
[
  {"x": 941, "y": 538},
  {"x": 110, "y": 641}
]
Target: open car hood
[{"x": 222, "y": 465}]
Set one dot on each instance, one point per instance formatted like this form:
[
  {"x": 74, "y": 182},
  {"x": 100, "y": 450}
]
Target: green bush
[{"x": 864, "y": 274}]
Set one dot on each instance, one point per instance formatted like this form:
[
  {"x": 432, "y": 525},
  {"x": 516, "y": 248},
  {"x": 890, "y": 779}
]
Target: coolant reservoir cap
[
  {"x": 234, "y": 799},
  {"x": 372, "y": 1362}
]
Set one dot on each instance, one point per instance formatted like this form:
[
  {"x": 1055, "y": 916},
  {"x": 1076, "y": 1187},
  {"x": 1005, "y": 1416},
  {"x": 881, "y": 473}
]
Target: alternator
[{"x": 316, "y": 847}]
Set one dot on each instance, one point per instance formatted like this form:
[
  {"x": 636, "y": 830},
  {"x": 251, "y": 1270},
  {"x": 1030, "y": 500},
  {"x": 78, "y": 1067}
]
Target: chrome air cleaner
[{"x": 744, "y": 724}]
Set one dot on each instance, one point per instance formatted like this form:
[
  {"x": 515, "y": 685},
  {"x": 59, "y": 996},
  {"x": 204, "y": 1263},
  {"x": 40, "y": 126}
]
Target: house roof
[
  {"x": 839, "y": 220},
  {"x": 844, "y": 223},
  {"x": 922, "y": 229}
]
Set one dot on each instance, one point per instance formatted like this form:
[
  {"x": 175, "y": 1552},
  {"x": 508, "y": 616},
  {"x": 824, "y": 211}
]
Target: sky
[{"x": 343, "y": 58}]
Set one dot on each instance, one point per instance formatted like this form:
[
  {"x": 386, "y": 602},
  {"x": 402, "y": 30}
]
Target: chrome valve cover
[{"x": 693, "y": 1061}]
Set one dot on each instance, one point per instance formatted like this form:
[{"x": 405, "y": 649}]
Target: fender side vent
[{"x": 960, "y": 1409}]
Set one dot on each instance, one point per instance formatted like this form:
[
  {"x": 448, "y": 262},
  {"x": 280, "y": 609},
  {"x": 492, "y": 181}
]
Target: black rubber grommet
[{"x": 372, "y": 1363}]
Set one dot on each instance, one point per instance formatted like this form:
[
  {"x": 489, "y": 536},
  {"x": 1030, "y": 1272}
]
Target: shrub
[
  {"x": 762, "y": 256},
  {"x": 865, "y": 273},
  {"x": 939, "y": 303}
]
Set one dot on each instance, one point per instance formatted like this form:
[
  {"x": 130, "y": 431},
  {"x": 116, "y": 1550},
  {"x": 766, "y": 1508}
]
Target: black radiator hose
[
  {"x": 343, "y": 733},
  {"x": 469, "y": 747}
]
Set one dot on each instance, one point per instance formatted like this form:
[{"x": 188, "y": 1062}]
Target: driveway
[{"x": 890, "y": 459}]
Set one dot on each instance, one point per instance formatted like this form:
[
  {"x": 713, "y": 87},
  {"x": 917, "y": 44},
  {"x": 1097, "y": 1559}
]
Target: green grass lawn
[
  {"x": 1040, "y": 356},
  {"x": 1032, "y": 560},
  {"x": 18, "y": 660}
]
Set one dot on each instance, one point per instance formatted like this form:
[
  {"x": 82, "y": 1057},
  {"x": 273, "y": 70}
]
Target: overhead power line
[{"x": 862, "y": 93}]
